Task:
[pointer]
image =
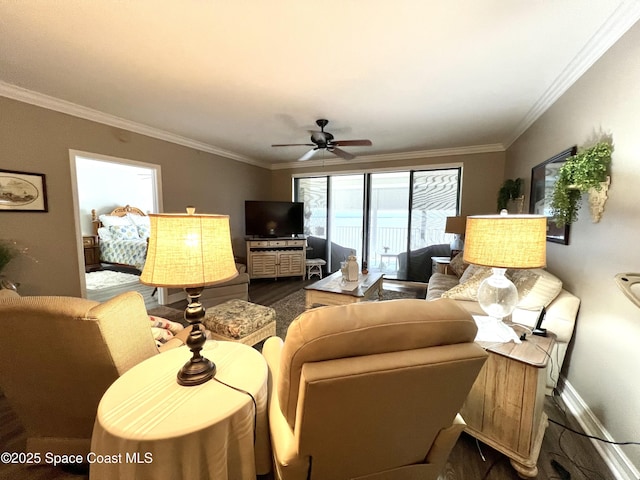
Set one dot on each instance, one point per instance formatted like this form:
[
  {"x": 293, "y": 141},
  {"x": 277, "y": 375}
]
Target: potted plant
[
  {"x": 511, "y": 190},
  {"x": 585, "y": 170},
  {"x": 7, "y": 252}
]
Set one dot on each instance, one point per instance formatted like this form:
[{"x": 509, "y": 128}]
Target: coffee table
[{"x": 332, "y": 290}]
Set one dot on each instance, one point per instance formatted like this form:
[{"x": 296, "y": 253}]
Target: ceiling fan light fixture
[{"x": 325, "y": 141}]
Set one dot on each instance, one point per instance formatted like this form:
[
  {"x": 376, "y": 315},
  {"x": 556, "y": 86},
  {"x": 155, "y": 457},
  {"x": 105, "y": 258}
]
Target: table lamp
[
  {"x": 456, "y": 225},
  {"x": 190, "y": 251},
  {"x": 504, "y": 241}
]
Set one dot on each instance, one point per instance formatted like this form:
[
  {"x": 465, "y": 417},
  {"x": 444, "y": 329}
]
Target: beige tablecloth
[{"x": 150, "y": 427}]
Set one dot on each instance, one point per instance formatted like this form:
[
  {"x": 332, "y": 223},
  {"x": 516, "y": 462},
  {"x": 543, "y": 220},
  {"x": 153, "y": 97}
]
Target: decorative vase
[{"x": 352, "y": 268}]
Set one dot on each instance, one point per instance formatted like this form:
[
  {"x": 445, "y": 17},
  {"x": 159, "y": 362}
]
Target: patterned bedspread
[{"x": 126, "y": 252}]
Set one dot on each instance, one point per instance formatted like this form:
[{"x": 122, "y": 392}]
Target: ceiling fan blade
[
  {"x": 308, "y": 155},
  {"x": 294, "y": 145},
  {"x": 353, "y": 143},
  {"x": 341, "y": 153}
]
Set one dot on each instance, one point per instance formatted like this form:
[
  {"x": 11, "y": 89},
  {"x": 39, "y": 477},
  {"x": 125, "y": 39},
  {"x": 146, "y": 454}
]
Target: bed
[{"x": 123, "y": 234}]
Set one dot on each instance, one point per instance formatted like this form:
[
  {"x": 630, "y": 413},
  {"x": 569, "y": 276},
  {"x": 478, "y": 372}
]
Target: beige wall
[
  {"x": 38, "y": 140},
  {"x": 482, "y": 176},
  {"x": 605, "y": 356}
]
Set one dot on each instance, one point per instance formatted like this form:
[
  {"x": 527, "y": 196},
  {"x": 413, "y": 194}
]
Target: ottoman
[{"x": 240, "y": 321}]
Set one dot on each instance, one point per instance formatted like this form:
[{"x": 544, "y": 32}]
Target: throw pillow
[
  {"x": 469, "y": 289},
  {"x": 470, "y": 271},
  {"x": 458, "y": 265},
  {"x": 159, "y": 322},
  {"x": 536, "y": 288}
]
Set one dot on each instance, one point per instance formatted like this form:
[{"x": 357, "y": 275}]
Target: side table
[
  {"x": 91, "y": 253},
  {"x": 148, "y": 426},
  {"x": 504, "y": 408},
  {"x": 440, "y": 265}
]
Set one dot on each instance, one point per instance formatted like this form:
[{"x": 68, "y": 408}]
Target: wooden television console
[{"x": 276, "y": 257}]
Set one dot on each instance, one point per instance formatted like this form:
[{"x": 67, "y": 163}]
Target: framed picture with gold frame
[
  {"x": 543, "y": 179},
  {"x": 22, "y": 192}
]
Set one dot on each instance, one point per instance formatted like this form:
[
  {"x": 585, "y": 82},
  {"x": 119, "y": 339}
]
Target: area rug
[{"x": 105, "y": 279}]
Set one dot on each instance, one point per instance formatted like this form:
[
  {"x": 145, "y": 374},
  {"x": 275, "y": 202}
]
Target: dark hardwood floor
[{"x": 469, "y": 460}]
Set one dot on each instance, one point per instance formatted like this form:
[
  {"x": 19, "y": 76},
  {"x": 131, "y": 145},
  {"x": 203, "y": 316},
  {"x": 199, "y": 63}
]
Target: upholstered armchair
[
  {"x": 58, "y": 355},
  {"x": 370, "y": 390}
]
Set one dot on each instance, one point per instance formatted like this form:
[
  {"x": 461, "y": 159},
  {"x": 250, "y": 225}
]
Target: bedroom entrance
[{"x": 112, "y": 240}]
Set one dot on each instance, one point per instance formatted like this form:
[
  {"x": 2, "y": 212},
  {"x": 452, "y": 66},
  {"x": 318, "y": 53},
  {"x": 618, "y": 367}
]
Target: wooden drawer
[
  {"x": 277, "y": 243},
  {"x": 295, "y": 243},
  {"x": 259, "y": 243},
  {"x": 89, "y": 241}
]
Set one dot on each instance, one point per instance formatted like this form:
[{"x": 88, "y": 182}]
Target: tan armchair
[
  {"x": 370, "y": 390},
  {"x": 58, "y": 355}
]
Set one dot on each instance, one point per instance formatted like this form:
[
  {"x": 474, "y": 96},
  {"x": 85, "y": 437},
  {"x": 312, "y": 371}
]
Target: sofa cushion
[
  {"x": 536, "y": 287},
  {"x": 440, "y": 283}
]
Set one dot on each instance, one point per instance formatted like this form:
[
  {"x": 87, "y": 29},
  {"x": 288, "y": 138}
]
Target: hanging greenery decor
[
  {"x": 585, "y": 170},
  {"x": 510, "y": 190},
  {"x": 8, "y": 251}
]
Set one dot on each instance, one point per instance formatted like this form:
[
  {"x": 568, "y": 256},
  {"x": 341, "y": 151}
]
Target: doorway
[{"x": 102, "y": 183}]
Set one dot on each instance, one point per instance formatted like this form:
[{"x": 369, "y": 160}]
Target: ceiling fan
[{"x": 324, "y": 141}]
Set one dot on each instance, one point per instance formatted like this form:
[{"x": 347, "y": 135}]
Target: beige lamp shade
[
  {"x": 455, "y": 225},
  {"x": 506, "y": 241},
  {"x": 188, "y": 250}
]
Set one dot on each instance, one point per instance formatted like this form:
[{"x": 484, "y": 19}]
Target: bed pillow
[
  {"x": 469, "y": 289},
  {"x": 113, "y": 220},
  {"x": 536, "y": 288},
  {"x": 139, "y": 220},
  {"x": 144, "y": 231},
  {"x": 124, "y": 232},
  {"x": 104, "y": 233}
]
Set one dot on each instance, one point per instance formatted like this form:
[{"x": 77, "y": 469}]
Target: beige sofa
[{"x": 561, "y": 306}]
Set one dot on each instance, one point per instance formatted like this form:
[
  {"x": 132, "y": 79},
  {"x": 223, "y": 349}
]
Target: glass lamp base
[{"x": 497, "y": 294}]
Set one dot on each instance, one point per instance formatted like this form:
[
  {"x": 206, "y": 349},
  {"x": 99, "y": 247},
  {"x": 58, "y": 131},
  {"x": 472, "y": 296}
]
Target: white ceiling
[{"x": 416, "y": 77}]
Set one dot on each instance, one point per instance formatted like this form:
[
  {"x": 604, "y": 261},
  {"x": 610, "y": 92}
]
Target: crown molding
[
  {"x": 618, "y": 23},
  {"x": 45, "y": 101},
  {"x": 395, "y": 157}
]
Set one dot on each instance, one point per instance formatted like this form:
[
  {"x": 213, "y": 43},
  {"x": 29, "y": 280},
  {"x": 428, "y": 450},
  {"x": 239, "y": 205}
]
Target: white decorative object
[
  {"x": 352, "y": 268},
  {"x": 597, "y": 198}
]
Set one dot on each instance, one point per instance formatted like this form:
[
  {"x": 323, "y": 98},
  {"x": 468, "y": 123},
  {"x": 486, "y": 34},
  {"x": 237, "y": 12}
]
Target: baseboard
[{"x": 620, "y": 465}]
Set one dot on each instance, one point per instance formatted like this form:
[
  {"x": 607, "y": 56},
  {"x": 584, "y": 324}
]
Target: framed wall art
[
  {"x": 22, "y": 192},
  {"x": 543, "y": 179}
]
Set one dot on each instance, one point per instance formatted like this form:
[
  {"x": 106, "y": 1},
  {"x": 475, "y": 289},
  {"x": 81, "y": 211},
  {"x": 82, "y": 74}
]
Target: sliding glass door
[
  {"x": 346, "y": 213},
  {"x": 388, "y": 220},
  {"x": 384, "y": 217}
]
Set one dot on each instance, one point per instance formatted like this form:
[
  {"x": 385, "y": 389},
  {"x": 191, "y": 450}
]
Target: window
[{"x": 380, "y": 215}]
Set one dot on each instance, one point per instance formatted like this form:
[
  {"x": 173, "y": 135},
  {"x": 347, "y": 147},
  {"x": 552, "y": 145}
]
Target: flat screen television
[{"x": 273, "y": 219}]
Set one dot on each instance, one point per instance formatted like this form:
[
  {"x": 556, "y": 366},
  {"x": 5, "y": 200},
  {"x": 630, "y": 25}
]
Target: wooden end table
[
  {"x": 333, "y": 291},
  {"x": 504, "y": 408}
]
